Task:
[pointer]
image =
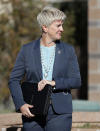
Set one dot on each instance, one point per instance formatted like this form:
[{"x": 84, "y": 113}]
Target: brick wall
[{"x": 94, "y": 49}]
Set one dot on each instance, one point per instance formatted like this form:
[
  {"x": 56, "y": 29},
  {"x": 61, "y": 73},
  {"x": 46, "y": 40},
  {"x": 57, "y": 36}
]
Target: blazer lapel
[
  {"x": 38, "y": 59},
  {"x": 58, "y": 57}
]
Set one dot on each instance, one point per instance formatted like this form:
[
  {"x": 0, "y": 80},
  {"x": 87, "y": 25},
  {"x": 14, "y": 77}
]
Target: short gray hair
[{"x": 48, "y": 15}]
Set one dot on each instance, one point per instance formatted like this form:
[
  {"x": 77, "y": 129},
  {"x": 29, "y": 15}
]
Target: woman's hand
[
  {"x": 25, "y": 110},
  {"x": 52, "y": 83},
  {"x": 42, "y": 84}
]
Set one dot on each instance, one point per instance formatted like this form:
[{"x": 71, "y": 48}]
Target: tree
[{"x": 17, "y": 28}]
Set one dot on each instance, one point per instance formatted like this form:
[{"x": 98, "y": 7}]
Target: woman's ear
[{"x": 44, "y": 28}]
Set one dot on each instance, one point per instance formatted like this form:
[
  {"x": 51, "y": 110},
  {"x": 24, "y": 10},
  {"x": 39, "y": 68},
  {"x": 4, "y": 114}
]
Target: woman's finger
[
  {"x": 40, "y": 88},
  {"x": 30, "y": 114}
]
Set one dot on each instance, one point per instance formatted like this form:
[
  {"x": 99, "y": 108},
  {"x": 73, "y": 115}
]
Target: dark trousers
[{"x": 53, "y": 122}]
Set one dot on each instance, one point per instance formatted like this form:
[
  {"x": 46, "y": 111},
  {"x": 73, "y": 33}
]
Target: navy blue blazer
[{"x": 65, "y": 73}]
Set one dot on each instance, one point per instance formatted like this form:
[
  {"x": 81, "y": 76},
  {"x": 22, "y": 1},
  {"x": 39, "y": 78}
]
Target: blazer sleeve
[
  {"x": 73, "y": 79},
  {"x": 15, "y": 78}
]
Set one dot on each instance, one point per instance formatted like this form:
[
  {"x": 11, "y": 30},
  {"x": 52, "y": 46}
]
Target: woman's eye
[{"x": 58, "y": 25}]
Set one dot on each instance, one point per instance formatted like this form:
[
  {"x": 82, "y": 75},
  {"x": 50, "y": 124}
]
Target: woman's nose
[{"x": 61, "y": 29}]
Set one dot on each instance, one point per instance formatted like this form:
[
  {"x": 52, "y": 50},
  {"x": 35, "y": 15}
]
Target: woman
[{"x": 47, "y": 61}]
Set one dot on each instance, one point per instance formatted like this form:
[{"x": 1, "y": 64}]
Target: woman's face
[{"x": 55, "y": 30}]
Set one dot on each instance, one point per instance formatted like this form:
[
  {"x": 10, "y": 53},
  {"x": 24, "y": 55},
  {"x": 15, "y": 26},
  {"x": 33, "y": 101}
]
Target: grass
[{"x": 89, "y": 126}]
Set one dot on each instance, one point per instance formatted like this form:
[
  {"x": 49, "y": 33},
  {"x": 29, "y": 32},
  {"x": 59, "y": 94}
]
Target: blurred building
[
  {"x": 94, "y": 49},
  {"x": 93, "y": 45}
]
